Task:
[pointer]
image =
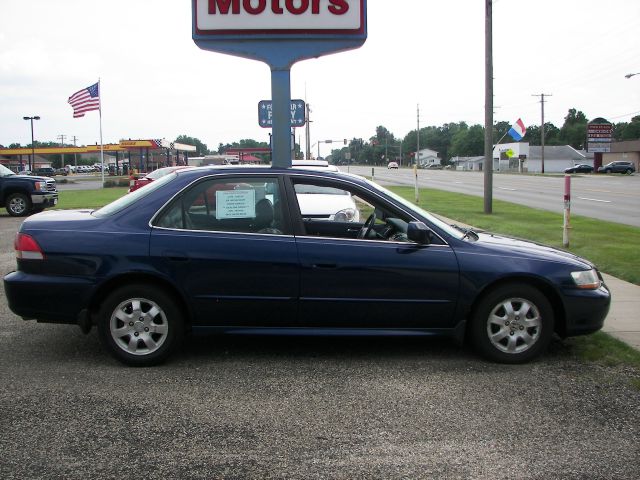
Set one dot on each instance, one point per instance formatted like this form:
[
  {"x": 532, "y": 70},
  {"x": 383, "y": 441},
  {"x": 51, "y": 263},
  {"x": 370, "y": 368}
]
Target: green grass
[
  {"x": 613, "y": 247},
  {"x": 73, "y": 199},
  {"x": 603, "y": 348}
]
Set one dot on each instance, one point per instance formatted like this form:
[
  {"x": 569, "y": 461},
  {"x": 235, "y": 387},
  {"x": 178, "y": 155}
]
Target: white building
[{"x": 427, "y": 157}]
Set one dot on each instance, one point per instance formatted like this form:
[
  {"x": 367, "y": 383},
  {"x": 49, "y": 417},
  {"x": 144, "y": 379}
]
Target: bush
[{"x": 116, "y": 182}]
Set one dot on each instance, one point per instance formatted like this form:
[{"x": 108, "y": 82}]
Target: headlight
[
  {"x": 587, "y": 279},
  {"x": 41, "y": 186},
  {"x": 347, "y": 215}
]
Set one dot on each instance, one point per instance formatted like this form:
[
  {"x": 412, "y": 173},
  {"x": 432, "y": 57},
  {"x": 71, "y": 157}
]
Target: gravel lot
[{"x": 304, "y": 408}]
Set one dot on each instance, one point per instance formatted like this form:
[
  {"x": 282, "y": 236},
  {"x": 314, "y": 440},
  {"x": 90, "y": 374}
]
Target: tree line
[{"x": 449, "y": 140}]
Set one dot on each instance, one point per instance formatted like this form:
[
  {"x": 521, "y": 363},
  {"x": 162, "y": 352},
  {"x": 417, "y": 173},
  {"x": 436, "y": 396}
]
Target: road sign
[{"x": 265, "y": 113}]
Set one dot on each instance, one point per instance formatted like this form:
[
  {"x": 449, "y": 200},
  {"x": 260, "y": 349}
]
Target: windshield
[
  {"x": 423, "y": 213},
  {"x": 5, "y": 172},
  {"x": 129, "y": 198}
]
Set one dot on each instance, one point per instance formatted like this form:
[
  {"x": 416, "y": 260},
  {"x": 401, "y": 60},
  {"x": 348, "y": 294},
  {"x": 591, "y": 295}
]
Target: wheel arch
[
  {"x": 547, "y": 290},
  {"x": 139, "y": 278}
]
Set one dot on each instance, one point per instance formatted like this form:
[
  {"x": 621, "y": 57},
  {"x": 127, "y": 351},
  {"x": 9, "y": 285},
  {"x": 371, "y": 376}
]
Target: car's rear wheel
[
  {"x": 140, "y": 325},
  {"x": 628, "y": 171},
  {"x": 18, "y": 204},
  {"x": 512, "y": 324}
]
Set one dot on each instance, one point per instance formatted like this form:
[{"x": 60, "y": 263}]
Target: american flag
[{"x": 85, "y": 100}]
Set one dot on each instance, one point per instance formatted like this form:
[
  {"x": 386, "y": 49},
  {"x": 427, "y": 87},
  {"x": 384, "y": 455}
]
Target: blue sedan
[{"x": 229, "y": 250}]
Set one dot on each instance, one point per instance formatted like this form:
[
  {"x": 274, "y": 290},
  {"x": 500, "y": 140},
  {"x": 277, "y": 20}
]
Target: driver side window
[{"x": 340, "y": 211}]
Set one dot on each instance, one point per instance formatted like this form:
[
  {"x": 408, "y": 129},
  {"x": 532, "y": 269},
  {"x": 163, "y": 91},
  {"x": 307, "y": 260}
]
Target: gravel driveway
[{"x": 304, "y": 408}]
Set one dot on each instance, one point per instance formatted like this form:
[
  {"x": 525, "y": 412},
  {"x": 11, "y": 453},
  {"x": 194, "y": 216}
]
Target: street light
[
  {"x": 629, "y": 75},
  {"x": 32, "y": 160}
]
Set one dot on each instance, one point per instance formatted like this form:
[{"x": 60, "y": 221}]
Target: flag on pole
[
  {"x": 518, "y": 130},
  {"x": 85, "y": 100}
]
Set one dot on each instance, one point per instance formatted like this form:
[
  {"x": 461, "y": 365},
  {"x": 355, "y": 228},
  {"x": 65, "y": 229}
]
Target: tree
[
  {"x": 468, "y": 142},
  {"x": 627, "y": 131},
  {"x": 574, "y": 130},
  {"x": 201, "y": 148}
]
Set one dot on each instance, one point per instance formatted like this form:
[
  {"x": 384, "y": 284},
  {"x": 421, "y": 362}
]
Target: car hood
[{"x": 523, "y": 248}]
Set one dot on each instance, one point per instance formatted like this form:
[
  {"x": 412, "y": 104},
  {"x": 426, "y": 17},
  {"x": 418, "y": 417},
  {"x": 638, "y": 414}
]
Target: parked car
[
  {"x": 44, "y": 172},
  {"x": 580, "y": 168},
  {"x": 618, "y": 167},
  {"x": 136, "y": 183},
  {"x": 227, "y": 250},
  {"x": 23, "y": 195},
  {"x": 392, "y": 165}
]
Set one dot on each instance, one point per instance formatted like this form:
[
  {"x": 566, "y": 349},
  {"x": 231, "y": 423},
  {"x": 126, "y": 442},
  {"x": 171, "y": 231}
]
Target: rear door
[{"x": 225, "y": 240}]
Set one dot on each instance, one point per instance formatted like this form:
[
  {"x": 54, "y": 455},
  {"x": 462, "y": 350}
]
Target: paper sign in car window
[{"x": 235, "y": 204}]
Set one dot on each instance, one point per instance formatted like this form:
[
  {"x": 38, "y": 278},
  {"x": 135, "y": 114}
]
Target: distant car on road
[
  {"x": 44, "y": 172},
  {"x": 618, "y": 167},
  {"x": 392, "y": 165},
  {"x": 580, "y": 168}
]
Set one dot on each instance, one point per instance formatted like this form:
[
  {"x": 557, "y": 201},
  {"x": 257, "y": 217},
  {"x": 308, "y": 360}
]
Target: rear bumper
[{"x": 47, "y": 299}]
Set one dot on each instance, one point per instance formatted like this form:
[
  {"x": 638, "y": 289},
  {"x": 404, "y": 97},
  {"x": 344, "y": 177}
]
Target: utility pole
[
  {"x": 415, "y": 165},
  {"x": 488, "y": 107},
  {"x": 542, "y": 95},
  {"x": 75, "y": 155},
  {"x": 62, "y": 137},
  {"x": 307, "y": 132}
]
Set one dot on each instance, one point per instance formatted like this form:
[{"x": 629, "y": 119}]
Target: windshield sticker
[{"x": 235, "y": 204}]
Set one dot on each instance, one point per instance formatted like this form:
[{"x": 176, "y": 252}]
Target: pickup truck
[{"x": 22, "y": 195}]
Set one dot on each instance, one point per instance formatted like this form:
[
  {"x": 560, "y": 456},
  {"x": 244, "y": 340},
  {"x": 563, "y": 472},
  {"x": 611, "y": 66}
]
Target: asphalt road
[
  {"x": 615, "y": 198},
  {"x": 293, "y": 408}
]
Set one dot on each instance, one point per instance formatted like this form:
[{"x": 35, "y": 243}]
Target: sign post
[{"x": 279, "y": 33}]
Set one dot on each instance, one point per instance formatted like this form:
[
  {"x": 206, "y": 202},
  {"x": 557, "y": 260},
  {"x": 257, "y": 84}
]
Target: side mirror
[{"x": 418, "y": 232}]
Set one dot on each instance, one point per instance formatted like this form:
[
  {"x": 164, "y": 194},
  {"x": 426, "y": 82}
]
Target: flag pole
[
  {"x": 101, "y": 144},
  {"x": 502, "y": 137}
]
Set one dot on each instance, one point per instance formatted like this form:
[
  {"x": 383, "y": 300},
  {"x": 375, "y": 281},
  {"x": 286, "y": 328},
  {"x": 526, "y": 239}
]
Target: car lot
[{"x": 243, "y": 407}]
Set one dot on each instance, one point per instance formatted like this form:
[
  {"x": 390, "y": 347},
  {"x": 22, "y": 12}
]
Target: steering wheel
[{"x": 368, "y": 225}]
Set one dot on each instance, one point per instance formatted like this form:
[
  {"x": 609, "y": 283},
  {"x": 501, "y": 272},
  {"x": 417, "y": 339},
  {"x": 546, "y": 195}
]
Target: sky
[{"x": 421, "y": 55}]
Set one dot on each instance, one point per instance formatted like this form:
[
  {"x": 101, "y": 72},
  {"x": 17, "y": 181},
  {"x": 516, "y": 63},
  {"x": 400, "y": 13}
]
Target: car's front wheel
[
  {"x": 512, "y": 324},
  {"x": 18, "y": 204},
  {"x": 140, "y": 325}
]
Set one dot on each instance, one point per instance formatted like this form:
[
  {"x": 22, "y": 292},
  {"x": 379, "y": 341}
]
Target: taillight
[{"x": 27, "y": 248}]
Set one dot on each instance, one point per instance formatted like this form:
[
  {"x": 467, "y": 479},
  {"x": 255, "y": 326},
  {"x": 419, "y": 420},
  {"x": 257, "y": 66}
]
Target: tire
[
  {"x": 628, "y": 171},
  {"x": 607, "y": 171},
  {"x": 512, "y": 324},
  {"x": 18, "y": 205},
  {"x": 140, "y": 325}
]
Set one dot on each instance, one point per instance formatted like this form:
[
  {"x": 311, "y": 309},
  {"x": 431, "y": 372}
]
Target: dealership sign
[
  {"x": 279, "y": 33},
  {"x": 285, "y": 17},
  {"x": 599, "y": 135}
]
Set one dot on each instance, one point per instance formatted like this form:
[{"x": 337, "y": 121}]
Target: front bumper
[
  {"x": 586, "y": 310},
  {"x": 44, "y": 199}
]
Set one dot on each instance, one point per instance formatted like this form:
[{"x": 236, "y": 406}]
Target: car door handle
[
  {"x": 175, "y": 256},
  {"x": 324, "y": 266}
]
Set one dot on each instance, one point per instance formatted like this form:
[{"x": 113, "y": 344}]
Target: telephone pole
[
  {"x": 488, "y": 107},
  {"x": 61, "y": 137},
  {"x": 75, "y": 155},
  {"x": 542, "y": 95}
]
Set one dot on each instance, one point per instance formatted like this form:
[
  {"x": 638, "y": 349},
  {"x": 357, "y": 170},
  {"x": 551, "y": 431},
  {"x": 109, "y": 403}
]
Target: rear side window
[{"x": 246, "y": 205}]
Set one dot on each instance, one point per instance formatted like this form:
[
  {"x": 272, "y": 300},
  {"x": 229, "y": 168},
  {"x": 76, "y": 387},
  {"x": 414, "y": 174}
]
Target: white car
[
  {"x": 324, "y": 203},
  {"x": 392, "y": 165}
]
